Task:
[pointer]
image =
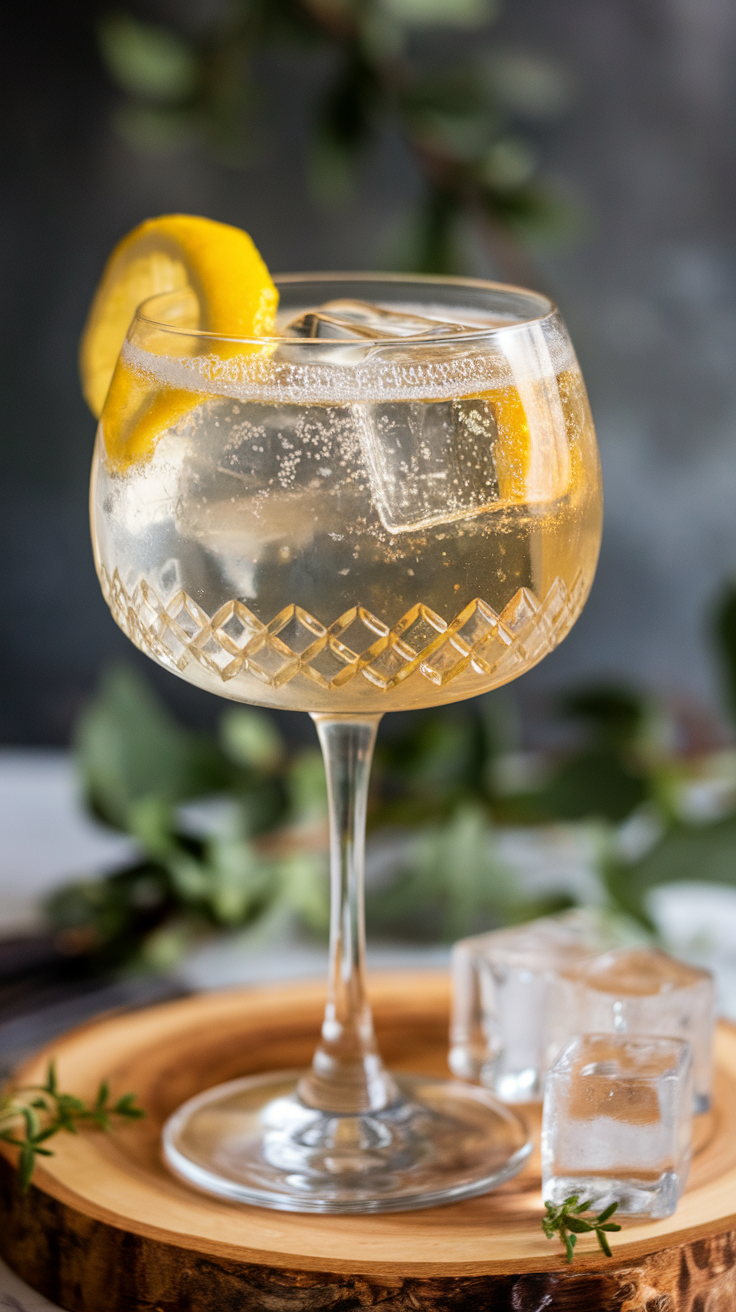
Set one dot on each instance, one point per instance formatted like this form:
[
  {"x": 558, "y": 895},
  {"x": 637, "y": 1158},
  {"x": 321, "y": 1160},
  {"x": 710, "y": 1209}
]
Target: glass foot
[{"x": 254, "y": 1141}]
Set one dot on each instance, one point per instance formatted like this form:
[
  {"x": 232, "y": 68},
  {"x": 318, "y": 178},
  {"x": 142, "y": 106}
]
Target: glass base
[{"x": 254, "y": 1141}]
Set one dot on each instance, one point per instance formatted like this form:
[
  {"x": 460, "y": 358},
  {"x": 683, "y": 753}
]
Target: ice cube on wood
[
  {"x": 644, "y": 991},
  {"x": 617, "y": 1123},
  {"x": 504, "y": 1024}
]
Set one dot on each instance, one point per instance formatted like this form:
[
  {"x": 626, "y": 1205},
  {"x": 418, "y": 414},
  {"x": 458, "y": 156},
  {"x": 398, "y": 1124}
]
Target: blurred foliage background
[
  {"x": 429, "y": 71},
  {"x": 585, "y": 147}
]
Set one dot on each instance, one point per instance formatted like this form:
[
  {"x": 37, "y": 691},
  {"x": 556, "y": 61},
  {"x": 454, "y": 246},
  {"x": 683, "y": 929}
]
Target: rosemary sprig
[
  {"x": 30, "y": 1116},
  {"x": 566, "y": 1221}
]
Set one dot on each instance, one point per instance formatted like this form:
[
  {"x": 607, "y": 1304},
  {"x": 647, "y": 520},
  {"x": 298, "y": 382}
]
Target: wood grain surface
[{"x": 105, "y": 1228}]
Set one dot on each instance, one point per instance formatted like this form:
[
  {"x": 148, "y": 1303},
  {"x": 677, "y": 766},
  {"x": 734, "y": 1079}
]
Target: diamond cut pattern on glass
[
  {"x": 478, "y": 641},
  {"x": 476, "y": 629},
  {"x": 286, "y": 645}
]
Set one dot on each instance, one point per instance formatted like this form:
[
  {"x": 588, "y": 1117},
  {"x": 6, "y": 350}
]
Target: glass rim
[{"x": 546, "y": 306}]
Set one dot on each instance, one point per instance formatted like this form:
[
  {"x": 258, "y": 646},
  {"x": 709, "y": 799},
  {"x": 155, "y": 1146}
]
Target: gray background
[{"x": 647, "y": 144}]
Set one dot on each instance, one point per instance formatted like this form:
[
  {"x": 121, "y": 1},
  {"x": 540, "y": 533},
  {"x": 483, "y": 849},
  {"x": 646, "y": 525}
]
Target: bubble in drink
[{"x": 356, "y": 525}]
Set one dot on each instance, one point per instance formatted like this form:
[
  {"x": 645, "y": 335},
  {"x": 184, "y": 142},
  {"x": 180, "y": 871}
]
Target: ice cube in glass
[
  {"x": 461, "y": 447},
  {"x": 504, "y": 1029},
  {"x": 644, "y": 991},
  {"x": 617, "y": 1123}
]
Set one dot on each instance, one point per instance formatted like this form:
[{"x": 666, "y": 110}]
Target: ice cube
[
  {"x": 429, "y": 462},
  {"x": 434, "y": 455},
  {"x": 343, "y": 319},
  {"x": 617, "y": 1123},
  {"x": 505, "y": 1005},
  {"x": 644, "y": 991}
]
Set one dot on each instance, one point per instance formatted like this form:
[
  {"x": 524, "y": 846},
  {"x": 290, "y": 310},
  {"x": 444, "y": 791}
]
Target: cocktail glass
[{"x": 375, "y": 510}]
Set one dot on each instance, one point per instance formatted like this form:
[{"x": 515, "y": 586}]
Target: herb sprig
[
  {"x": 565, "y": 1220},
  {"x": 42, "y": 1110}
]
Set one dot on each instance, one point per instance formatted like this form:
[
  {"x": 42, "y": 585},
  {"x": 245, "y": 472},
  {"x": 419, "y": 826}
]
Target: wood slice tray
[{"x": 105, "y": 1228}]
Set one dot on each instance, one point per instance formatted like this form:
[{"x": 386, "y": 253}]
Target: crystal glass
[
  {"x": 617, "y": 1123},
  {"x": 393, "y": 503}
]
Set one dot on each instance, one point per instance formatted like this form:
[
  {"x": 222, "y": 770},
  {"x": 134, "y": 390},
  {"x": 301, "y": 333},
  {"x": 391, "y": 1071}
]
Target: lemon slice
[
  {"x": 513, "y": 444},
  {"x": 235, "y": 296},
  {"x": 526, "y": 472}
]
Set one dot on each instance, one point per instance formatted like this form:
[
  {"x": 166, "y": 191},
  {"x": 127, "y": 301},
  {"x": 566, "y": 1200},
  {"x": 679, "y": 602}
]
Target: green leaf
[
  {"x": 594, "y": 782},
  {"x": 155, "y": 129},
  {"x": 452, "y": 882},
  {"x": 164, "y": 947},
  {"x": 305, "y": 889},
  {"x": 451, "y": 110},
  {"x": 238, "y": 880},
  {"x": 26, "y": 1163},
  {"x": 126, "y": 1107},
  {"x": 51, "y": 1085},
  {"x": 306, "y": 787},
  {"x": 128, "y": 747},
  {"x": 33, "y": 1125},
  {"x": 577, "y": 1225},
  {"x": 528, "y": 85},
  {"x": 67, "y": 1103},
  {"x": 535, "y": 214},
  {"x": 151, "y": 821},
  {"x": 250, "y": 738},
  {"x": 565, "y": 1221},
  {"x": 48, "y": 1133},
  {"x": 604, "y": 1242},
  {"x": 148, "y": 61},
  {"x": 685, "y": 852},
  {"x": 440, "y": 756},
  {"x": 604, "y": 1215},
  {"x": 507, "y": 164}
]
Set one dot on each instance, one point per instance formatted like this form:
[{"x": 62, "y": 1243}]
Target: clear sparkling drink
[{"x": 347, "y": 527}]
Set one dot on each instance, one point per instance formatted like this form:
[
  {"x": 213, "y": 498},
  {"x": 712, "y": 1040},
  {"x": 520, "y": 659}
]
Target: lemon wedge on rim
[{"x": 235, "y": 296}]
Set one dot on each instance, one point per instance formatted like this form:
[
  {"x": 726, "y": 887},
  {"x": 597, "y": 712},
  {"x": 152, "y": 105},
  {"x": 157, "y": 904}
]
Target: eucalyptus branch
[
  {"x": 31, "y": 1115},
  {"x": 566, "y": 1222}
]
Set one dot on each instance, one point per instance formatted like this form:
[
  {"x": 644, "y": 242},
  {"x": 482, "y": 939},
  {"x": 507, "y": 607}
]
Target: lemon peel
[{"x": 235, "y": 296}]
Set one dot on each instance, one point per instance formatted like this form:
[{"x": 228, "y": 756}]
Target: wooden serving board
[{"x": 105, "y": 1228}]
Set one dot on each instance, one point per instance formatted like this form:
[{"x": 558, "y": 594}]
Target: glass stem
[{"x": 347, "y": 1074}]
